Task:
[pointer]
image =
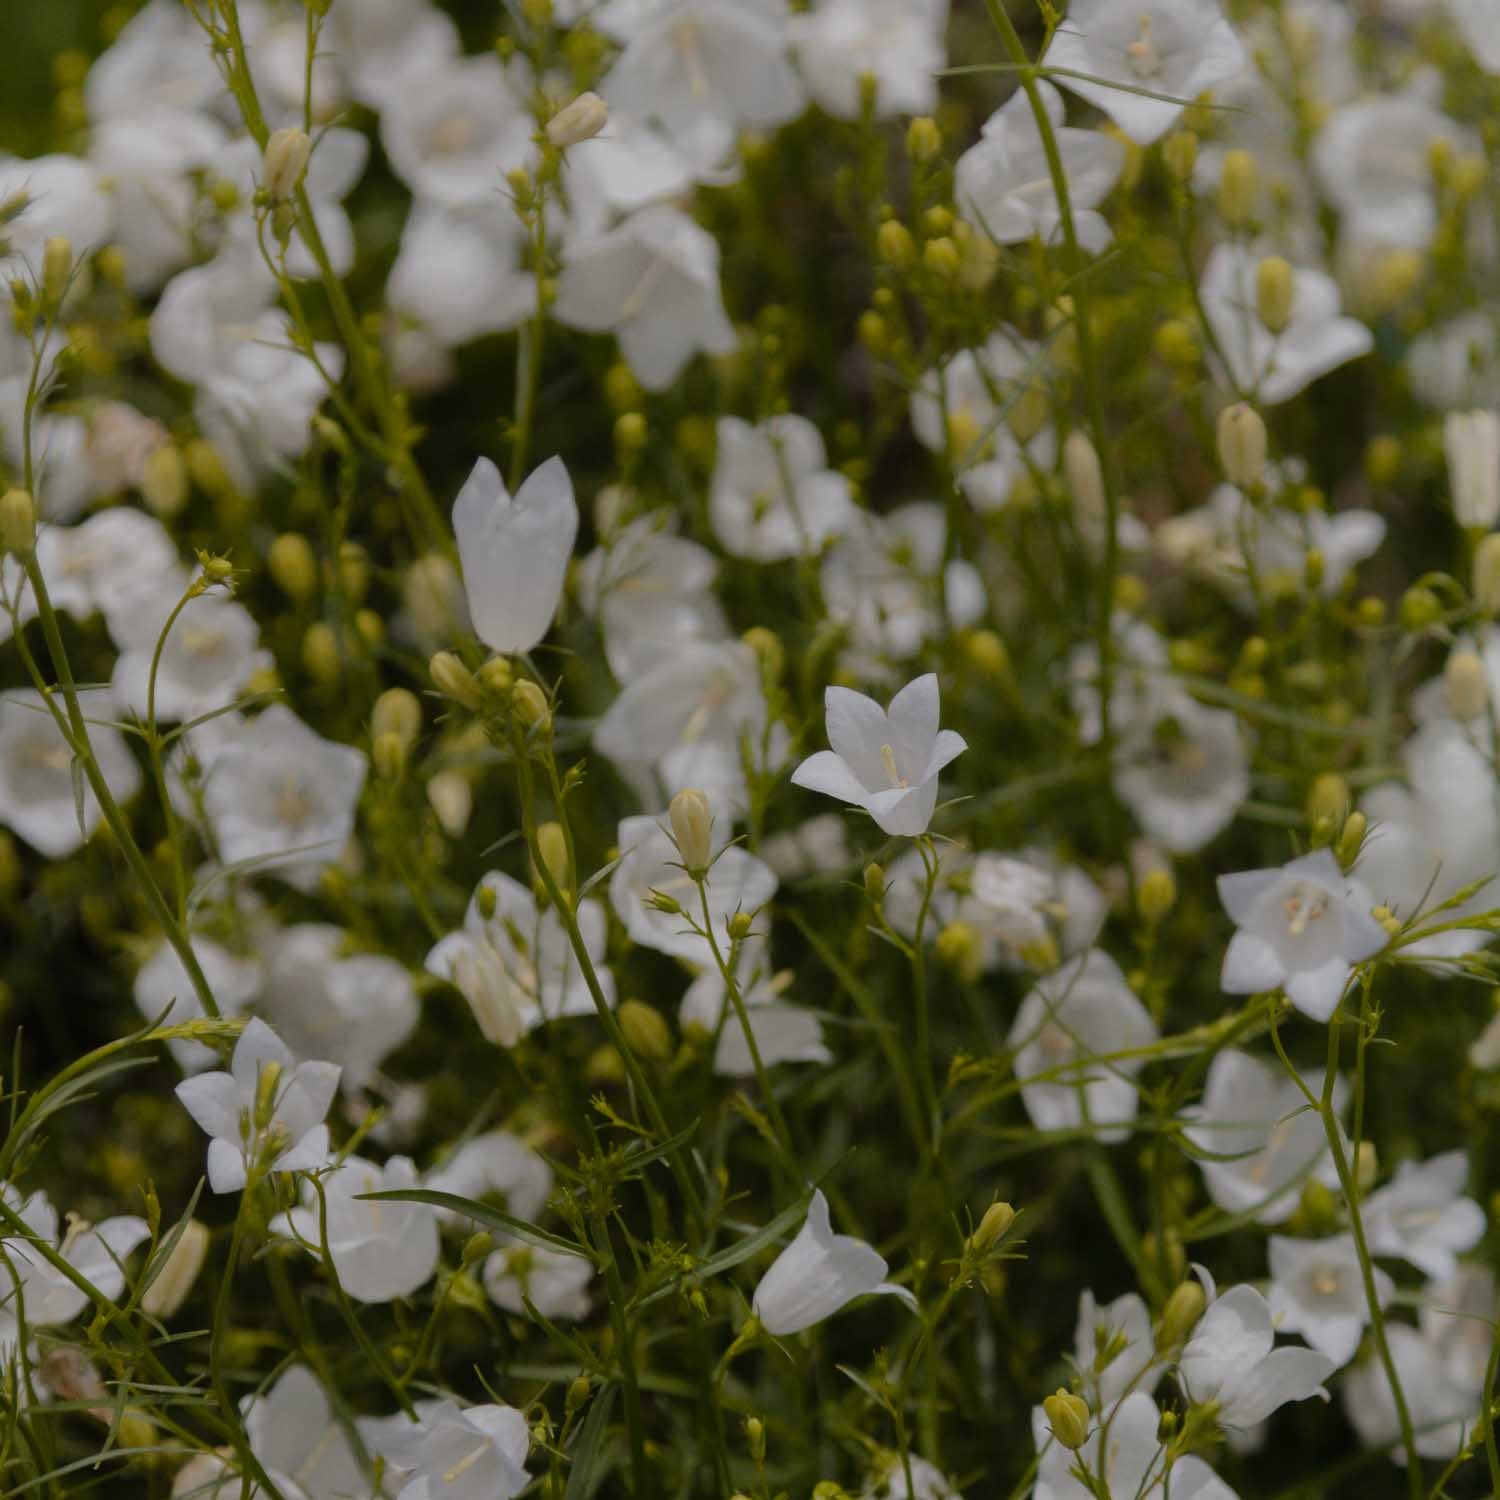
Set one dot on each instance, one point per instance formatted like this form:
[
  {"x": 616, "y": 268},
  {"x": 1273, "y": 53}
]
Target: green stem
[{"x": 628, "y": 1375}]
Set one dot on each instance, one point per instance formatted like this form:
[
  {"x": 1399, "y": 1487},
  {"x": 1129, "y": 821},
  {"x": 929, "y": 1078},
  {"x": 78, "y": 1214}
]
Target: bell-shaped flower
[
  {"x": 1317, "y": 1290},
  {"x": 279, "y": 796},
  {"x": 299, "y": 1441},
  {"x": 1126, "y": 1458},
  {"x": 1259, "y": 1140},
  {"x": 1231, "y": 1360},
  {"x": 31, "y": 1286},
  {"x": 103, "y": 562},
  {"x": 458, "y": 1453},
  {"x": 1475, "y": 20},
  {"x": 1003, "y": 185},
  {"x": 515, "y": 552},
  {"x": 1303, "y": 926},
  {"x": 897, "y": 43},
  {"x": 886, "y": 761},
  {"x": 1142, "y": 63},
  {"x": 1073, "y": 1040},
  {"x": 554, "y": 1282},
  {"x": 352, "y": 1008},
  {"x": 39, "y": 798},
  {"x": 653, "y": 280},
  {"x": 784, "y": 1033},
  {"x": 516, "y": 966},
  {"x": 654, "y": 896},
  {"x": 1442, "y": 1415},
  {"x": 380, "y": 1250},
  {"x": 163, "y": 988},
  {"x": 819, "y": 1273},
  {"x": 1274, "y": 367},
  {"x": 63, "y": 198},
  {"x": 494, "y": 1165},
  {"x": 1183, "y": 773},
  {"x": 1457, "y": 1315},
  {"x": 773, "y": 495},
  {"x": 265, "y": 1114},
  {"x": 1423, "y": 1216}
]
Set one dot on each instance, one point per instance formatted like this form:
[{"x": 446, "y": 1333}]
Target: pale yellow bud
[
  {"x": 895, "y": 246},
  {"x": 1068, "y": 1417},
  {"x": 1242, "y": 445},
  {"x": 692, "y": 827},
  {"x": 452, "y": 798},
  {"x": 164, "y": 479},
  {"x": 388, "y": 751},
  {"x": 646, "y": 1031},
  {"x": 1180, "y": 1315},
  {"x": 1156, "y": 895},
  {"x": 171, "y": 1284},
  {"x": 1084, "y": 473},
  {"x": 320, "y": 653},
  {"x": 287, "y": 154},
  {"x": 923, "y": 138},
  {"x": 454, "y": 680},
  {"x": 530, "y": 704},
  {"x": 57, "y": 267},
  {"x": 1275, "y": 292},
  {"x": 552, "y": 846},
  {"x": 1487, "y": 574},
  {"x": 1239, "y": 180},
  {"x": 1467, "y": 684},
  {"x": 941, "y": 256},
  {"x": 1180, "y": 152},
  {"x": 17, "y": 522},
  {"x": 397, "y": 711},
  {"x": 293, "y": 565},
  {"x": 992, "y": 1228},
  {"x": 581, "y": 120}
]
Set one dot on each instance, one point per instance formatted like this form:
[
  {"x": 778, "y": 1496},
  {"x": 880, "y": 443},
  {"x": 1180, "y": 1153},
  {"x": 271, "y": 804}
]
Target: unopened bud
[
  {"x": 755, "y": 1439},
  {"x": 692, "y": 827},
  {"x": 895, "y": 246},
  {"x": 874, "y": 878},
  {"x": 1275, "y": 292},
  {"x": 1352, "y": 839},
  {"x": 530, "y": 704},
  {"x": 1238, "y": 182},
  {"x": 578, "y": 1392},
  {"x": 1180, "y": 1316},
  {"x": 923, "y": 138},
  {"x": 1180, "y": 152},
  {"x": 1420, "y": 608},
  {"x": 57, "y": 267},
  {"x": 164, "y": 479},
  {"x": 320, "y": 653},
  {"x": 452, "y": 798},
  {"x": 1068, "y": 1417},
  {"x": 941, "y": 256},
  {"x": 646, "y": 1031},
  {"x": 17, "y": 522},
  {"x": 739, "y": 926},
  {"x": 1467, "y": 684},
  {"x": 1487, "y": 574},
  {"x": 1242, "y": 445},
  {"x": 397, "y": 712},
  {"x": 497, "y": 676},
  {"x": 1366, "y": 1166},
  {"x": 175, "y": 1278},
  {"x": 477, "y": 1246},
  {"x": 957, "y": 946},
  {"x": 287, "y": 154},
  {"x": 1084, "y": 474},
  {"x": 766, "y": 645},
  {"x": 581, "y": 120},
  {"x": 992, "y": 1228},
  {"x": 388, "y": 751},
  {"x": 1155, "y": 896},
  {"x": 552, "y": 847},
  {"x": 454, "y": 680},
  {"x": 293, "y": 565}
]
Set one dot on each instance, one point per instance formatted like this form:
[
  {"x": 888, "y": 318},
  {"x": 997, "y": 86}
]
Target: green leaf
[
  {"x": 591, "y": 1461},
  {"x": 495, "y": 1218}
]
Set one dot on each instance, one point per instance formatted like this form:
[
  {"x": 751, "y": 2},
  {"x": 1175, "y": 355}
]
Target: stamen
[{"x": 888, "y": 760}]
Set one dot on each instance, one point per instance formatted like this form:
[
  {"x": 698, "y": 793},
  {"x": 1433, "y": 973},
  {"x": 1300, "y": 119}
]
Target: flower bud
[
  {"x": 293, "y": 566},
  {"x": 397, "y": 711},
  {"x": 1328, "y": 798},
  {"x": 1487, "y": 574},
  {"x": 1420, "y": 608},
  {"x": 1238, "y": 181},
  {"x": 176, "y": 1275},
  {"x": 286, "y": 159},
  {"x": 692, "y": 827},
  {"x": 766, "y": 645},
  {"x": 923, "y": 139},
  {"x": 646, "y": 1031},
  {"x": 1180, "y": 1316},
  {"x": 1467, "y": 685},
  {"x": 1242, "y": 445},
  {"x": 17, "y": 522},
  {"x": 477, "y": 1246},
  {"x": 1366, "y": 1166},
  {"x": 1351, "y": 839},
  {"x": 992, "y": 1228},
  {"x": 1155, "y": 896},
  {"x": 452, "y": 798},
  {"x": 1068, "y": 1417},
  {"x": 738, "y": 926},
  {"x": 552, "y": 846},
  {"x": 894, "y": 245},
  {"x": 1180, "y": 153},
  {"x": 941, "y": 256},
  {"x": 874, "y": 878},
  {"x": 497, "y": 676},
  {"x": 1471, "y": 441},
  {"x": 1275, "y": 292},
  {"x": 164, "y": 479},
  {"x": 581, "y": 120},
  {"x": 388, "y": 751},
  {"x": 454, "y": 680},
  {"x": 320, "y": 653},
  {"x": 530, "y": 704},
  {"x": 578, "y": 1392},
  {"x": 1084, "y": 474},
  {"x": 57, "y": 267}
]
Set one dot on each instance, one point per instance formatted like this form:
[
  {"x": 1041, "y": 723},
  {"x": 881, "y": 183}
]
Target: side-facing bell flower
[
  {"x": 514, "y": 551},
  {"x": 886, "y": 761}
]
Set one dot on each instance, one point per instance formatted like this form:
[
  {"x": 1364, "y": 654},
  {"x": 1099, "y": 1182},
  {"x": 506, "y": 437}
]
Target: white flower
[
  {"x": 103, "y": 562},
  {"x": 886, "y": 761},
  {"x": 380, "y": 1250},
  {"x": 1003, "y": 184},
  {"x": 1064, "y": 1037},
  {"x": 773, "y": 495},
  {"x": 783, "y": 1032},
  {"x": 453, "y": 1453},
  {"x": 37, "y": 787},
  {"x": 888, "y": 1480},
  {"x": 515, "y": 552},
  {"x": 1175, "y": 48},
  {"x": 516, "y": 967},
  {"x": 1475, "y": 20},
  {"x": 1422, "y": 1216},
  {"x": 554, "y": 1282},
  {"x": 63, "y": 200},
  {"x": 1317, "y": 1291},
  {"x": 654, "y": 281},
  {"x": 279, "y": 796},
  {"x": 1275, "y": 367},
  {"x": 1230, "y": 1360},
  {"x": 1457, "y": 1315},
  {"x": 1185, "y": 774},
  {"x": 295, "y": 1436},
  {"x": 898, "y": 43},
  {"x": 820, "y": 846},
  {"x": 817, "y": 1274},
  {"x": 46, "y": 1295},
  {"x": 266, "y": 1112},
  {"x": 1142, "y": 691},
  {"x": 389, "y": 41},
  {"x": 1471, "y": 441},
  {"x": 163, "y": 982},
  {"x": 353, "y": 1009},
  {"x": 1128, "y": 1460},
  {"x": 496, "y": 1163},
  {"x": 1303, "y": 927},
  {"x": 1455, "y": 365},
  {"x": 1123, "y": 1325},
  {"x": 1259, "y": 1140},
  {"x": 1441, "y": 1415},
  {"x": 737, "y": 881}
]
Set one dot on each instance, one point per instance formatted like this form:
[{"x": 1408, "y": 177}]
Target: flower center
[
  {"x": 888, "y": 760},
  {"x": 452, "y": 135},
  {"x": 1302, "y": 906},
  {"x": 1326, "y": 1283},
  {"x": 292, "y": 805},
  {"x": 1144, "y": 59},
  {"x": 688, "y": 44}
]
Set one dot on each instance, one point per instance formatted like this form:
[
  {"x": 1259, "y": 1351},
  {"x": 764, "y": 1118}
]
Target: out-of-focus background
[{"x": 32, "y": 34}]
